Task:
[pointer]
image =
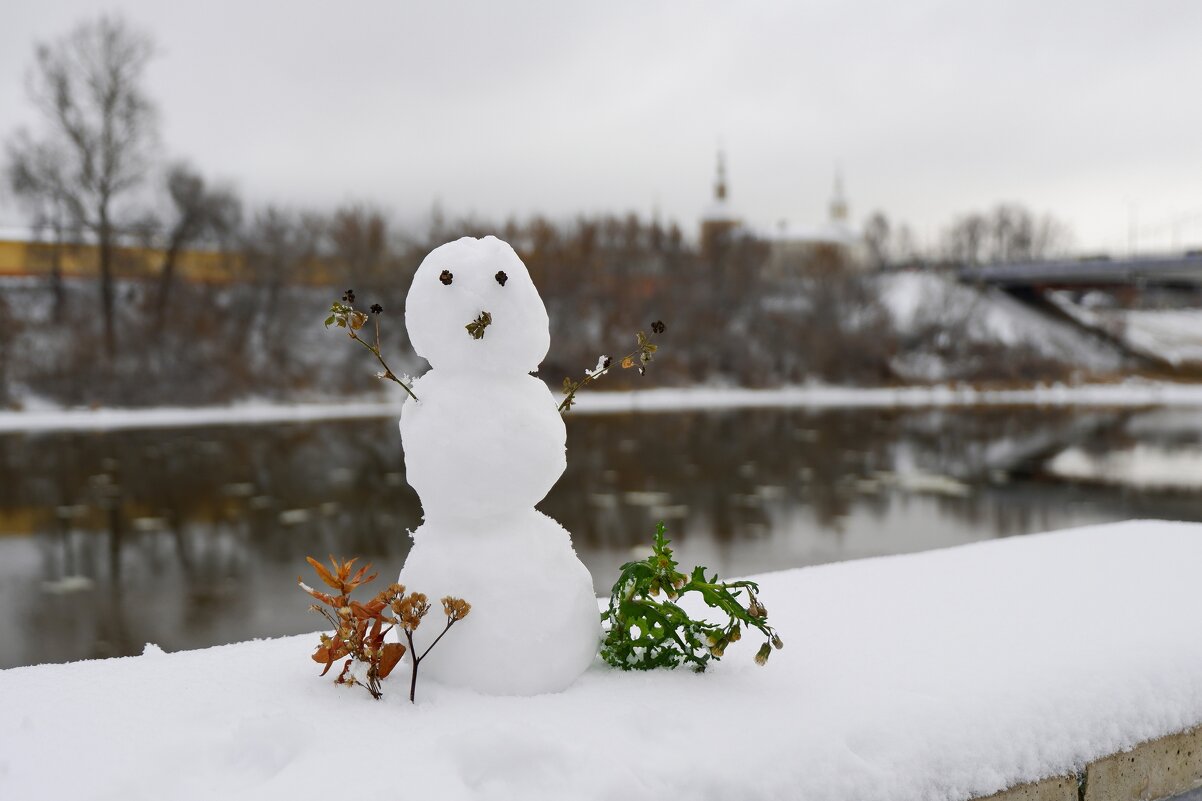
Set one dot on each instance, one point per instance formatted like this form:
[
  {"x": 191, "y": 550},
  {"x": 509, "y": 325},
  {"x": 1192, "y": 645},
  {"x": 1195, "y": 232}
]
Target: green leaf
[{"x": 664, "y": 635}]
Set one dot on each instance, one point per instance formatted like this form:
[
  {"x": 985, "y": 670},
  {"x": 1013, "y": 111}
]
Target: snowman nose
[{"x": 476, "y": 327}]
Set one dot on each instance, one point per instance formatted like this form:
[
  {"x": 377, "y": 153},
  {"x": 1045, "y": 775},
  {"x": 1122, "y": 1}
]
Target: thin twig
[
  {"x": 436, "y": 639},
  {"x": 590, "y": 378},
  {"x": 376, "y": 352}
]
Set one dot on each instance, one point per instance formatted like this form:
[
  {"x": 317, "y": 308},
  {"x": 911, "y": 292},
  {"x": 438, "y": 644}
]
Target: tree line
[{"x": 94, "y": 171}]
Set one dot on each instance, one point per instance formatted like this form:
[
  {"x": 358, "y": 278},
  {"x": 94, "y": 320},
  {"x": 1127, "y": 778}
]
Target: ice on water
[{"x": 484, "y": 444}]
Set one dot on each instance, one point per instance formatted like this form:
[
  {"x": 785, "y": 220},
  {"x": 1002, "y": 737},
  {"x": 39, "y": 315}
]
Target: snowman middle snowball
[{"x": 483, "y": 445}]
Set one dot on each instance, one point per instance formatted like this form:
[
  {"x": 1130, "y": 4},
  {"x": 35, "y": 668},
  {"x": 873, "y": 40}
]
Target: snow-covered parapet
[
  {"x": 484, "y": 443},
  {"x": 945, "y": 676}
]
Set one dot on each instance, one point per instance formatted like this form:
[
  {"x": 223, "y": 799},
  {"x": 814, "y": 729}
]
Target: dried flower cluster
[
  {"x": 344, "y": 315},
  {"x": 360, "y": 629},
  {"x": 640, "y": 357},
  {"x": 644, "y": 633}
]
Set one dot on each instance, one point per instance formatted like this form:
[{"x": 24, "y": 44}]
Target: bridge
[
  {"x": 1176, "y": 272},
  {"x": 1031, "y": 282}
]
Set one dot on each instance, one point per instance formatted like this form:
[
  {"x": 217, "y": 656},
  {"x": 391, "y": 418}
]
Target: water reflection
[{"x": 194, "y": 537}]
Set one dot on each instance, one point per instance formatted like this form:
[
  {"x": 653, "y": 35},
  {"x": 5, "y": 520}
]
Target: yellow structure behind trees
[
  {"x": 34, "y": 258},
  {"x": 19, "y": 257}
]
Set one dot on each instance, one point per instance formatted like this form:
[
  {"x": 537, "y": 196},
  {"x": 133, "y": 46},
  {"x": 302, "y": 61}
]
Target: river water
[{"x": 193, "y": 537}]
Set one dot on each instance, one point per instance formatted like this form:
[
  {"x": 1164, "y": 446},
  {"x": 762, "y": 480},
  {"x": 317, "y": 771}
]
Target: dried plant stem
[
  {"x": 644, "y": 353},
  {"x": 416, "y": 660},
  {"x": 375, "y": 349},
  {"x": 584, "y": 382},
  {"x": 590, "y": 378}
]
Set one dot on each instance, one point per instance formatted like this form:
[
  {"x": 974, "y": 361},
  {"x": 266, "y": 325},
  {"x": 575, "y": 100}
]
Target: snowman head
[{"x": 472, "y": 306}]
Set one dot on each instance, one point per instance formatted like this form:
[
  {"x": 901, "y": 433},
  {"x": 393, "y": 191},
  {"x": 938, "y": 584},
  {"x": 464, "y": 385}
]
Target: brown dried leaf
[
  {"x": 370, "y": 609},
  {"x": 627, "y": 363},
  {"x": 335, "y": 652},
  {"x": 389, "y": 657},
  {"x": 323, "y": 574}
]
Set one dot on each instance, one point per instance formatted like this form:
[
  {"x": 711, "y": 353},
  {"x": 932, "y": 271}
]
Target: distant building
[
  {"x": 790, "y": 246},
  {"x": 719, "y": 222},
  {"x": 793, "y": 246}
]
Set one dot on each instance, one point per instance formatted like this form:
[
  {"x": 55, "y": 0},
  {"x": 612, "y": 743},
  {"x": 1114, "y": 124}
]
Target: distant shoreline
[{"x": 1134, "y": 393}]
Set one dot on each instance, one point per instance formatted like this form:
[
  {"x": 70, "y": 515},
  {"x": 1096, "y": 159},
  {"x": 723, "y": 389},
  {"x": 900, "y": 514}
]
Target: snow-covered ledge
[{"x": 946, "y": 675}]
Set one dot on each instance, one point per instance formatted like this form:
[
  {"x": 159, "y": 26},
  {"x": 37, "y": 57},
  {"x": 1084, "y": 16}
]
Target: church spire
[
  {"x": 720, "y": 183},
  {"x": 838, "y": 207}
]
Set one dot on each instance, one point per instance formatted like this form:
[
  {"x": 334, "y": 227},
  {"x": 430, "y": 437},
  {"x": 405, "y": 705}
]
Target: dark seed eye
[
  {"x": 501, "y": 278},
  {"x": 446, "y": 277}
]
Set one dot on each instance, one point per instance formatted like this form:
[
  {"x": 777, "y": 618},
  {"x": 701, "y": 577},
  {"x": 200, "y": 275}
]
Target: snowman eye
[
  {"x": 501, "y": 277},
  {"x": 446, "y": 277}
]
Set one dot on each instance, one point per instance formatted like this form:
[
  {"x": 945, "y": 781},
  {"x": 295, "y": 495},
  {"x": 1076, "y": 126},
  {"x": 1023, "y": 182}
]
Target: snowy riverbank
[
  {"x": 1131, "y": 393},
  {"x": 944, "y": 675}
]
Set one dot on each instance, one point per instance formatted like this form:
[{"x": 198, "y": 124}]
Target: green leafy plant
[
  {"x": 646, "y": 629},
  {"x": 640, "y": 357},
  {"x": 360, "y": 630}
]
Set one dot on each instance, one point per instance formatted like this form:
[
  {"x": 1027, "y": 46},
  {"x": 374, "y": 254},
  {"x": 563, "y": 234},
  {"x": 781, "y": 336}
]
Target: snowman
[{"x": 483, "y": 445}]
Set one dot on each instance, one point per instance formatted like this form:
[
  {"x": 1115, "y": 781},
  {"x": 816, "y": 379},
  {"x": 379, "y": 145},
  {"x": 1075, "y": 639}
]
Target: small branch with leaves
[
  {"x": 344, "y": 315},
  {"x": 360, "y": 629},
  {"x": 644, "y": 633},
  {"x": 639, "y": 358}
]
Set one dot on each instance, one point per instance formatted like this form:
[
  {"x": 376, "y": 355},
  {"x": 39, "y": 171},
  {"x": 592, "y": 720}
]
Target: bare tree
[
  {"x": 965, "y": 241},
  {"x": 876, "y": 239},
  {"x": 200, "y": 211},
  {"x": 1007, "y": 233},
  {"x": 99, "y": 135},
  {"x": 31, "y": 172},
  {"x": 358, "y": 237}
]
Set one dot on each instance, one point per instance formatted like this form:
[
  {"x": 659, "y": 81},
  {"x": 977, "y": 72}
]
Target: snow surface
[
  {"x": 1125, "y": 394},
  {"x": 942, "y": 676},
  {"x": 925, "y": 300},
  {"x": 1174, "y": 335}
]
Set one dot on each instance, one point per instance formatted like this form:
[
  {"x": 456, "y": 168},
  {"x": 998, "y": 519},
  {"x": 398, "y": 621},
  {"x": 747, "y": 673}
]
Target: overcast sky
[{"x": 1088, "y": 110}]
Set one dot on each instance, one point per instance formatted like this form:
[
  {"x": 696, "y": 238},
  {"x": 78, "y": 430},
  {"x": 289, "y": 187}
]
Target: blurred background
[{"x": 861, "y": 195}]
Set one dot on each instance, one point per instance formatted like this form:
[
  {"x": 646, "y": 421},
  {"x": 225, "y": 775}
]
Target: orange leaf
[
  {"x": 370, "y": 609},
  {"x": 323, "y": 574},
  {"x": 375, "y": 630},
  {"x": 391, "y": 655},
  {"x": 627, "y": 363},
  {"x": 337, "y": 652},
  {"x": 321, "y": 596},
  {"x": 342, "y": 570},
  {"x": 358, "y": 580}
]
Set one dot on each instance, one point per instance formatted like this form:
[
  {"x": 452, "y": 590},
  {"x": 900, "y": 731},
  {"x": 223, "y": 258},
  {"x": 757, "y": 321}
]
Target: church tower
[
  {"x": 838, "y": 207},
  {"x": 718, "y": 221}
]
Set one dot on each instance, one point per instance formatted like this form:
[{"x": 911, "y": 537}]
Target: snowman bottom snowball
[{"x": 535, "y": 625}]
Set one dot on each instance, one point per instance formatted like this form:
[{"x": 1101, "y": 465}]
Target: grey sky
[{"x": 1082, "y": 109}]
